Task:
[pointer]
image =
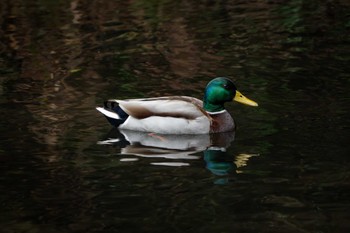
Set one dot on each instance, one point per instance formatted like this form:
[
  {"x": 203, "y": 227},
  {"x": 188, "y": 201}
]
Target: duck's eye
[{"x": 227, "y": 87}]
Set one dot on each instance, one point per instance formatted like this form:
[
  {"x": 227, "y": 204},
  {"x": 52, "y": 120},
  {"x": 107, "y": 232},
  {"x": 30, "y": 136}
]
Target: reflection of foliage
[
  {"x": 309, "y": 17},
  {"x": 293, "y": 16},
  {"x": 60, "y": 58}
]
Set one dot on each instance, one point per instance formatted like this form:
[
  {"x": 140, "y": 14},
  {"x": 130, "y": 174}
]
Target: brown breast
[{"x": 221, "y": 122}]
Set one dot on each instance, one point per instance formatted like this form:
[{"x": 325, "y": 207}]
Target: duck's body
[
  {"x": 177, "y": 114},
  {"x": 166, "y": 115}
]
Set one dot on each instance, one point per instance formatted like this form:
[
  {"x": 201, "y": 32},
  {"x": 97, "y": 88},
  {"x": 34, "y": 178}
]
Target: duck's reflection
[{"x": 178, "y": 150}]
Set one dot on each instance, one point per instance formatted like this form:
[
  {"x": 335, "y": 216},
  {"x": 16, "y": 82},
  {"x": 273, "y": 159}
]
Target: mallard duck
[{"x": 178, "y": 114}]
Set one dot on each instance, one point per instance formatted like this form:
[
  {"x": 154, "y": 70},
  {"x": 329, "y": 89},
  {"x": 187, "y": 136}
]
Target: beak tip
[{"x": 244, "y": 100}]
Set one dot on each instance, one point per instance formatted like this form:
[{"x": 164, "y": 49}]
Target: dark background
[{"x": 59, "y": 59}]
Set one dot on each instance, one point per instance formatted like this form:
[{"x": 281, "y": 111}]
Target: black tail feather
[{"x": 113, "y": 106}]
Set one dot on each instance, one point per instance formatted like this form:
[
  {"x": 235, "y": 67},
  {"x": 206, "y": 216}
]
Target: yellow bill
[{"x": 244, "y": 100}]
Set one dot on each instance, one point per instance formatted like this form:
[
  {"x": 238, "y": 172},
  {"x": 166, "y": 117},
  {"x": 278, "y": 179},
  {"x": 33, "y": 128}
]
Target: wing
[{"x": 174, "y": 106}]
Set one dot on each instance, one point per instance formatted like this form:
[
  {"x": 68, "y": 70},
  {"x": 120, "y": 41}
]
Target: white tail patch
[{"x": 108, "y": 113}]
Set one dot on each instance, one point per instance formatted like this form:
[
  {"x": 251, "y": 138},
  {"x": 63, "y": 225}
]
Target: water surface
[{"x": 64, "y": 169}]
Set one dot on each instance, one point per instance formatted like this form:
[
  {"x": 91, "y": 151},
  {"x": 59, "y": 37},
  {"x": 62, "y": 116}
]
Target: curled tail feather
[{"x": 112, "y": 111}]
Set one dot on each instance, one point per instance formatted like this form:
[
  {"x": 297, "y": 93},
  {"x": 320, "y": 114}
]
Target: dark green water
[{"x": 286, "y": 168}]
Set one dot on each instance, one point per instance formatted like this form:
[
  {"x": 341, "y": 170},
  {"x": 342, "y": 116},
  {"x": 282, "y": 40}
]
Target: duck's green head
[{"x": 221, "y": 90}]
